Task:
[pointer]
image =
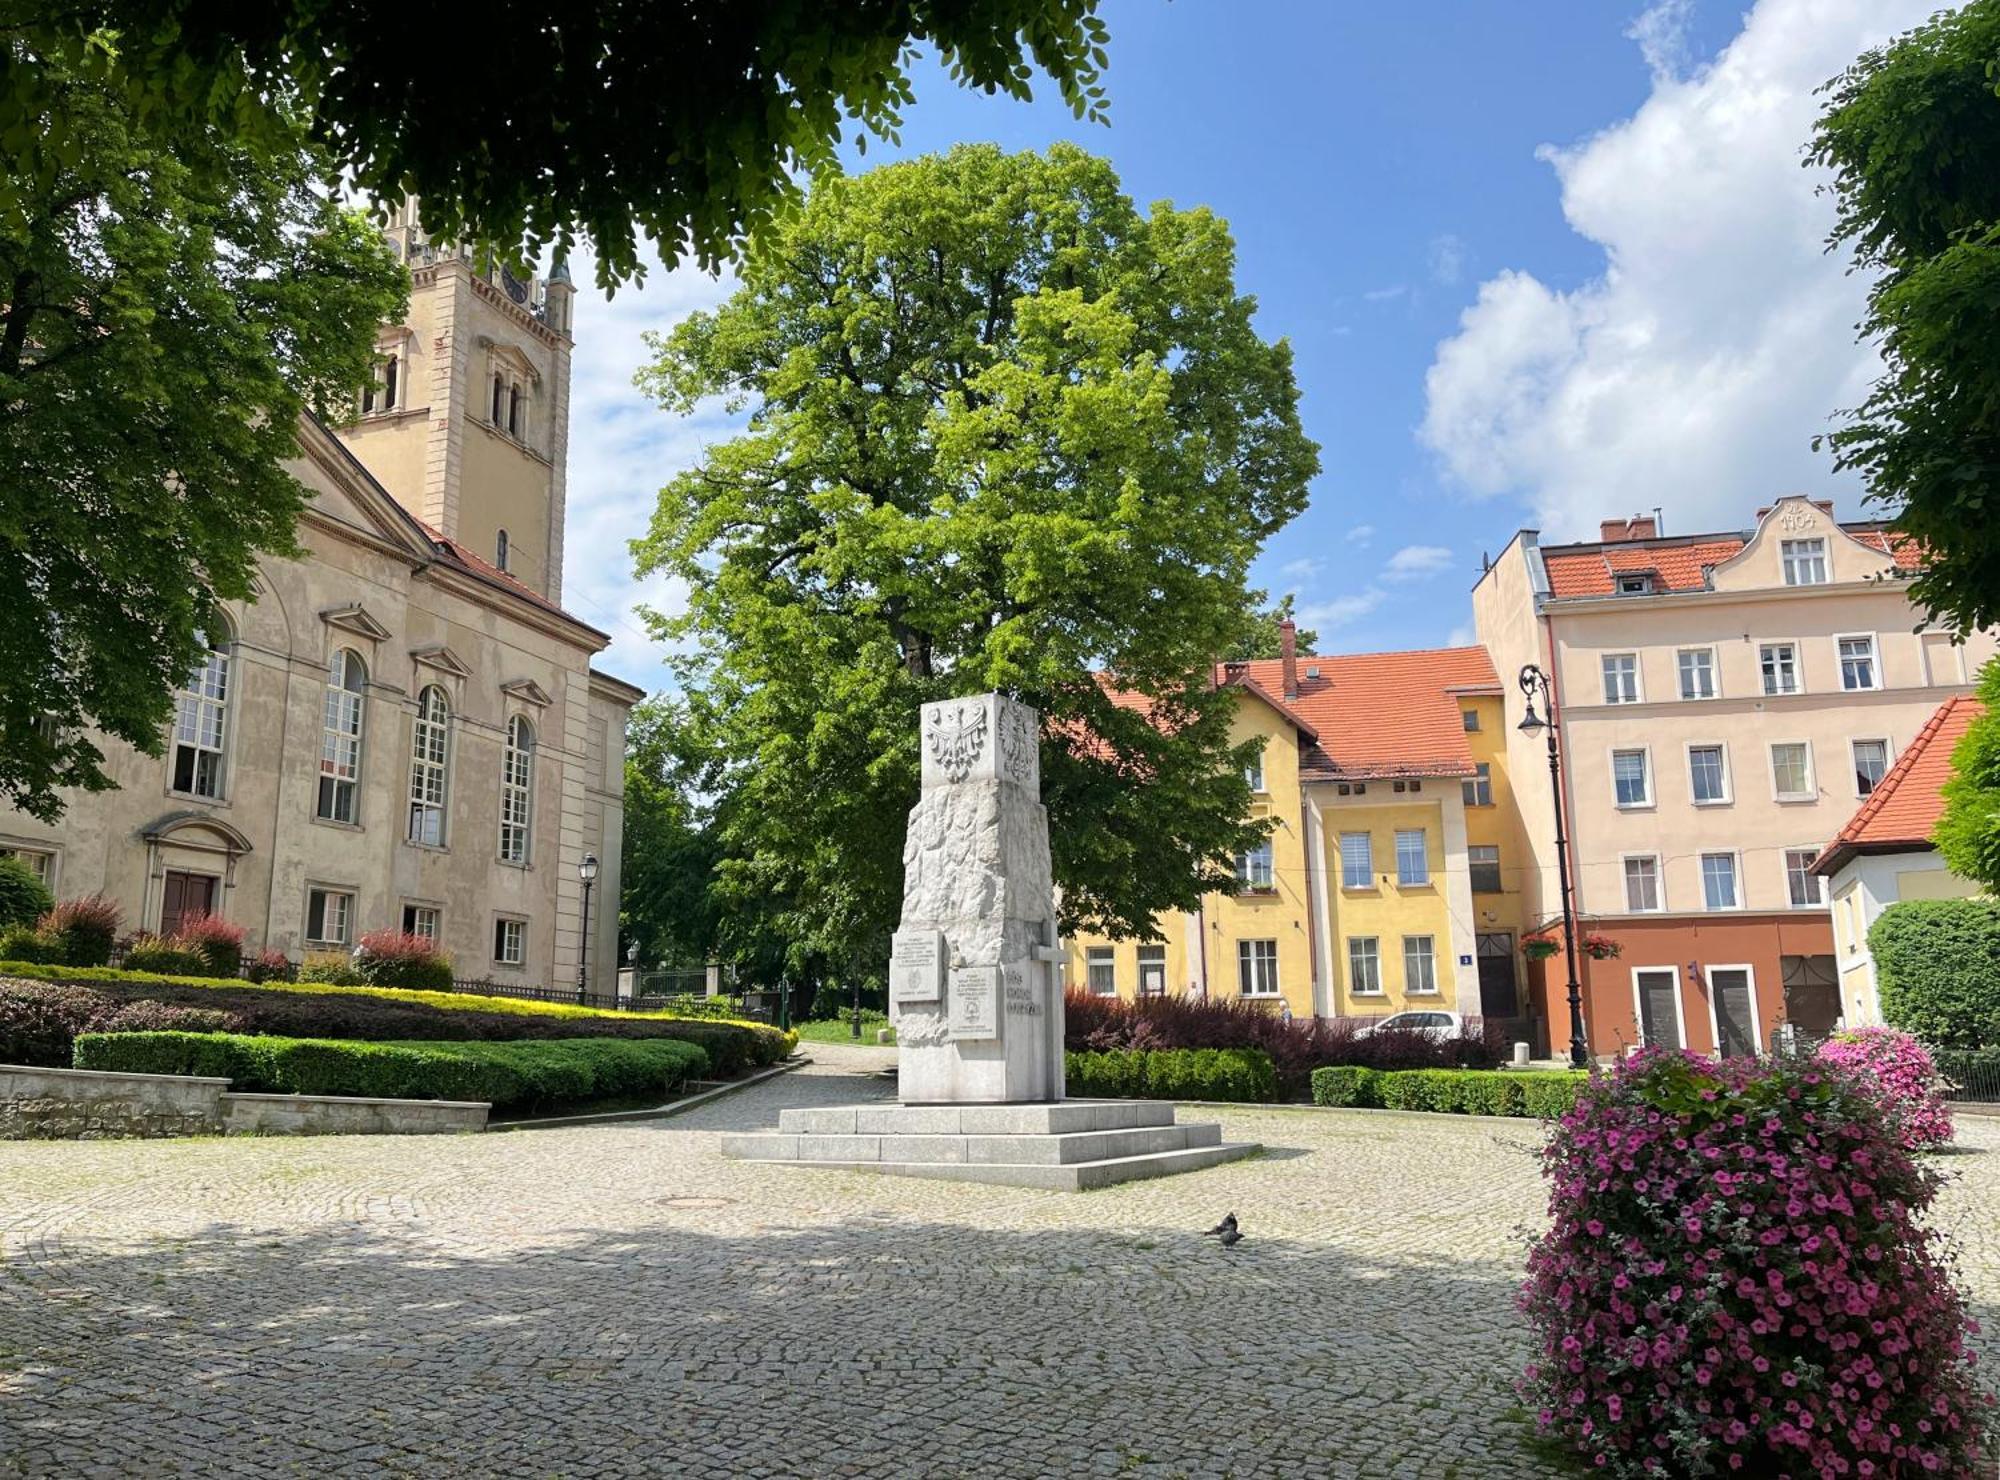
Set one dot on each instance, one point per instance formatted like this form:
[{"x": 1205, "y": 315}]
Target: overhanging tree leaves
[
  {"x": 167, "y": 311},
  {"x": 1007, "y": 431},
  {"x": 1968, "y": 834},
  {"x": 529, "y": 120},
  {"x": 1912, "y": 134}
]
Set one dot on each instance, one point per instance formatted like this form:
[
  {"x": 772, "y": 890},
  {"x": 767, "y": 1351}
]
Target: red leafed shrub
[
  {"x": 83, "y": 929},
  {"x": 396, "y": 958},
  {"x": 218, "y": 942},
  {"x": 1903, "y": 1078},
  {"x": 268, "y": 965},
  {"x": 1737, "y": 1280},
  {"x": 1093, "y": 1024}
]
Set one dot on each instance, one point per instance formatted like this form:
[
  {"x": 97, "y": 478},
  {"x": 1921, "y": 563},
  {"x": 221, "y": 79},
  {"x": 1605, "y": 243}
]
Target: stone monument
[{"x": 976, "y": 995}]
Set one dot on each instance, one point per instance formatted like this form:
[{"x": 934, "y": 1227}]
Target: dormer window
[
  {"x": 1640, "y": 584},
  {"x": 1805, "y": 562}
]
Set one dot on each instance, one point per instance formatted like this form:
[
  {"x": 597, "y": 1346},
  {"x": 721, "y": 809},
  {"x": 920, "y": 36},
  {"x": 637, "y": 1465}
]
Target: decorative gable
[
  {"x": 355, "y": 619},
  {"x": 441, "y": 658},
  {"x": 527, "y": 691}
]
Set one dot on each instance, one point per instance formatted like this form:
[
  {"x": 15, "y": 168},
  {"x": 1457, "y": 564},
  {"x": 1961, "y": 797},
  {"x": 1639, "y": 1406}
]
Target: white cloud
[
  {"x": 1302, "y": 570},
  {"x": 1414, "y": 562},
  {"x": 1360, "y": 535},
  {"x": 622, "y": 449},
  {"x": 1383, "y": 295},
  {"x": 1695, "y": 371},
  {"x": 1447, "y": 256},
  {"x": 1340, "y": 611},
  {"x": 1662, "y": 33}
]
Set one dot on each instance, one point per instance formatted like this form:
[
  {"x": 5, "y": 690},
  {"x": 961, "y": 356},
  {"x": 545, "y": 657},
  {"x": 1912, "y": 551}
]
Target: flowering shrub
[
  {"x": 84, "y": 929},
  {"x": 1898, "y": 1071},
  {"x": 1736, "y": 1281},
  {"x": 268, "y": 965},
  {"x": 217, "y": 943},
  {"x": 395, "y": 958}
]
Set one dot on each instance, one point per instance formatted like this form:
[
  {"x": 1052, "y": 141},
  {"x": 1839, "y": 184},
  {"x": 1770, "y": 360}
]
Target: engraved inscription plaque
[
  {"x": 916, "y": 965},
  {"x": 975, "y": 1003}
]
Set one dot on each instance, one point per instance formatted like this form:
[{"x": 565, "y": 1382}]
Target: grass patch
[{"x": 839, "y": 1030}]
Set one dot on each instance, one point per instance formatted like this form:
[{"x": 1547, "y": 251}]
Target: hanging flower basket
[
  {"x": 1601, "y": 947},
  {"x": 1540, "y": 947}
]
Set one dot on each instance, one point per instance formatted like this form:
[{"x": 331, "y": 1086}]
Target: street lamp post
[
  {"x": 1533, "y": 680},
  {"x": 586, "y": 871}
]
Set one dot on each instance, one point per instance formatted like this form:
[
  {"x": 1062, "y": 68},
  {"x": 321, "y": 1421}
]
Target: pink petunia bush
[
  {"x": 1898, "y": 1071},
  {"x": 1736, "y": 1281}
]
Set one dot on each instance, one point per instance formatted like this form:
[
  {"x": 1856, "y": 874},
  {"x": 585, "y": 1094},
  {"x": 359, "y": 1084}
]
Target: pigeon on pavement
[
  {"x": 1229, "y": 1238},
  {"x": 1225, "y": 1227}
]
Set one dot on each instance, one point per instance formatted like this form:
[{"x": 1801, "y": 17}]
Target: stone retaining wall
[{"x": 94, "y": 1105}]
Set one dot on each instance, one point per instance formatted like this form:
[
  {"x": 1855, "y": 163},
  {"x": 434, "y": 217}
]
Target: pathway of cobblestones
[{"x": 620, "y": 1301}]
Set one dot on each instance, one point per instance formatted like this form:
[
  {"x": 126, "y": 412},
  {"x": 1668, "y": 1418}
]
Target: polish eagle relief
[
  {"x": 957, "y": 736},
  {"x": 1018, "y": 742}
]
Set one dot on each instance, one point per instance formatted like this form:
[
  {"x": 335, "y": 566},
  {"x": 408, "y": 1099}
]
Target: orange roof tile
[
  {"x": 1903, "y": 810},
  {"x": 487, "y": 571},
  {"x": 1380, "y": 714},
  {"x": 1678, "y": 564}
]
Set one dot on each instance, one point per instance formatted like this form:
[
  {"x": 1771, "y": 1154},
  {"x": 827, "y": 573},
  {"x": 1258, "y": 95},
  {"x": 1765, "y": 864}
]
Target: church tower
[{"x": 468, "y": 424}]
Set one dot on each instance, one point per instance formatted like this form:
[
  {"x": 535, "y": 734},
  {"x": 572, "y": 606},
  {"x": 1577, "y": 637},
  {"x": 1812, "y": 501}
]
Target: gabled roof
[
  {"x": 1379, "y": 714},
  {"x": 1680, "y": 563},
  {"x": 1902, "y": 812}
]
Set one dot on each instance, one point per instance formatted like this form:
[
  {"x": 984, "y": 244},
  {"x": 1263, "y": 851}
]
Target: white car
[{"x": 1438, "y": 1025}]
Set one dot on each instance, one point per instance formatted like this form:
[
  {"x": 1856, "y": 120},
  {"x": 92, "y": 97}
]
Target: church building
[{"x": 403, "y": 730}]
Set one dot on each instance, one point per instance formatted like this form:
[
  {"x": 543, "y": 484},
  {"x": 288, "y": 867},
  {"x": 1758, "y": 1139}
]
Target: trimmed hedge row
[
  {"x": 51, "y": 1015},
  {"x": 1543, "y": 1094},
  {"x": 518, "y": 1075},
  {"x": 1938, "y": 961},
  {"x": 1242, "y": 1074}
]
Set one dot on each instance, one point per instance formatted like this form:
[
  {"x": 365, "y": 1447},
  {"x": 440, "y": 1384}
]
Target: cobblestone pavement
[{"x": 618, "y": 1300}]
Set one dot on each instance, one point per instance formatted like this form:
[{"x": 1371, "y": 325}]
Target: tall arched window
[
  {"x": 201, "y": 721},
  {"x": 499, "y": 396},
  {"x": 514, "y": 411},
  {"x": 429, "y": 752},
  {"x": 500, "y": 550},
  {"x": 340, "y": 738},
  {"x": 517, "y": 780},
  {"x": 389, "y": 385}
]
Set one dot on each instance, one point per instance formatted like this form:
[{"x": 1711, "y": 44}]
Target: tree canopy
[
  {"x": 1007, "y": 432},
  {"x": 1911, "y": 133},
  {"x": 1264, "y": 639},
  {"x": 539, "y": 122},
  {"x": 168, "y": 308},
  {"x": 1968, "y": 834}
]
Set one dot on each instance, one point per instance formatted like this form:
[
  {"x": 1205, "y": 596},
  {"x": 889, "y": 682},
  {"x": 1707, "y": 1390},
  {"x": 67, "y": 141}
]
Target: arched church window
[
  {"x": 389, "y": 385},
  {"x": 500, "y": 550},
  {"x": 429, "y": 755},
  {"x": 517, "y": 776},
  {"x": 201, "y": 720},
  {"x": 340, "y": 738},
  {"x": 499, "y": 392},
  {"x": 514, "y": 411}
]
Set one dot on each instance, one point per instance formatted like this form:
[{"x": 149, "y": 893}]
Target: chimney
[
  {"x": 1622, "y": 531},
  {"x": 1288, "y": 650}
]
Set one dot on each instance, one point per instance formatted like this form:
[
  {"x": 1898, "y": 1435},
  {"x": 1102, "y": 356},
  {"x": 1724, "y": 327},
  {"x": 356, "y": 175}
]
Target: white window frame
[
  {"x": 1811, "y": 851},
  {"x": 1796, "y": 665},
  {"x": 1374, "y": 943},
  {"x": 1680, "y": 1002},
  {"x": 1107, "y": 958},
  {"x": 1854, "y": 761},
  {"x": 1254, "y": 774},
  {"x": 414, "y": 911},
  {"x": 1423, "y": 837},
  {"x": 1256, "y": 870},
  {"x": 1472, "y": 867},
  {"x": 1715, "y": 1019},
  {"x": 1721, "y": 747},
  {"x": 1611, "y": 696},
  {"x": 1811, "y": 793},
  {"x": 430, "y": 769},
  {"x": 343, "y": 740},
  {"x": 1735, "y": 878},
  {"x": 1151, "y": 954},
  {"x": 1476, "y": 790},
  {"x": 1368, "y": 873},
  {"x": 43, "y": 863},
  {"x": 517, "y": 792},
  {"x": 1429, "y": 960},
  {"x": 1645, "y": 754},
  {"x": 330, "y": 892},
  {"x": 1251, "y": 962},
  {"x": 1794, "y": 555},
  {"x": 501, "y": 925},
  {"x": 1713, "y": 670},
  {"x": 1874, "y": 662},
  {"x": 201, "y": 723},
  {"x": 1659, "y": 904}
]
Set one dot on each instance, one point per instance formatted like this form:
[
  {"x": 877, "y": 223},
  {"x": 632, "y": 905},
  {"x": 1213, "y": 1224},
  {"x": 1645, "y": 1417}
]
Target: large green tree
[
  {"x": 1912, "y": 135},
  {"x": 1007, "y": 432},
  {"x": 1968, "y": 834},
  {"x": 168, "y": 309},
  {"x": 688, "y": 121}
]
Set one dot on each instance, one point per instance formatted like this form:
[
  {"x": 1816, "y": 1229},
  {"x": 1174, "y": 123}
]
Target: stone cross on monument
[{"x": 975, "y": 970}]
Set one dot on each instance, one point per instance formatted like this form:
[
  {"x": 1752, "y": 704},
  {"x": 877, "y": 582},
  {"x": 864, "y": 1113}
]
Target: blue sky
[{"x": 1540, "y": 264}]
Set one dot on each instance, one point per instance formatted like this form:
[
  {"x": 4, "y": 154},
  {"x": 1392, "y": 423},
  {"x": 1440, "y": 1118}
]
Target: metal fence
[{"x": 1974, "y": 1075}]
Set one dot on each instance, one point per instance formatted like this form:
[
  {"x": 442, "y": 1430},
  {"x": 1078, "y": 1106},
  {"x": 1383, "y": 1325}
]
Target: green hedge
[
  {"x": 1541, "y": 1093},
  {"x": 731, "y": 1045},
  {"x": 24, "y": 898},
  {"x": 521, "y": 1074},
  {"x": 1241, "y": 1074},
  {"x": 1937, "y": 962}
]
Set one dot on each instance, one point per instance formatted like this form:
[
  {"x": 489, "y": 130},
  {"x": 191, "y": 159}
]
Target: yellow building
[{"x": 1390, "y": 879}]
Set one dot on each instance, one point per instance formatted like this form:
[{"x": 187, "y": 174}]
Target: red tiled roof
[
  {"x": 458, "y": 554},
  {"x": 1380, "y": 714},
  {"x": 1903, "y": 810},
  {"x": 1678, "y": 564}
]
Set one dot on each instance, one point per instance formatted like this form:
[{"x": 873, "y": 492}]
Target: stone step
[
  {"x": 977, "y": 1120},
  {"x": 1057, "y": 1150},
  {"x": 1055, "y": 1177}
]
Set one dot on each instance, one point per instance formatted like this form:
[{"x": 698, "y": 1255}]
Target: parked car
[{"x": 1438, "y": 1025}]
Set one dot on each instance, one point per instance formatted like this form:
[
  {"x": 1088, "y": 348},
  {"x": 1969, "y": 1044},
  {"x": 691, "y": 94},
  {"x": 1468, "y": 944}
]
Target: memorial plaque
[
  {"x": 1021, "y": 998},
  {"x": 975, "y": 1003},
  {"x": 916, "y": 966}
]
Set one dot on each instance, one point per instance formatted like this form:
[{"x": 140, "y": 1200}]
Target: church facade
[{"x": 403, "y": 730}]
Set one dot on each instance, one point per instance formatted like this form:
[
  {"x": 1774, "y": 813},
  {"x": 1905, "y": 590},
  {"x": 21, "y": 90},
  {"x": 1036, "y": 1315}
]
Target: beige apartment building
[
  {"x": 1723, "y": 703},
  {"x": 403, "y": 729}
]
